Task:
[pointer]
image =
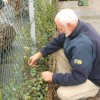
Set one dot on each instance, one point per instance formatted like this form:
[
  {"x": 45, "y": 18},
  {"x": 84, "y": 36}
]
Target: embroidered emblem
[{"x": 77, "y": 61}]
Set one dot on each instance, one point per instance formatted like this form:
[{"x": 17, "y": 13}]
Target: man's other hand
[
  {"x": 32, "y": 60},
  {"x": 47, "y": 76}
]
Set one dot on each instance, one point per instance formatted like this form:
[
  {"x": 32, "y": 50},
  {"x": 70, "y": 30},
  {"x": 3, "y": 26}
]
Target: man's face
[{"x": 62, "y": 28}]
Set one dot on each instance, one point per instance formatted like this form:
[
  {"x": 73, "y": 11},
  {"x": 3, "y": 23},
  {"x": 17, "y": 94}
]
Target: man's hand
[
  {"x": 47, "y": 76},
  {"x": 32, "y": 60}
]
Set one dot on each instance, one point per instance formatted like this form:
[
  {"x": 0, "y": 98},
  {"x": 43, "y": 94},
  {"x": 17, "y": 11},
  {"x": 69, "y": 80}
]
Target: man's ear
[{"x": 69, "y": 26}]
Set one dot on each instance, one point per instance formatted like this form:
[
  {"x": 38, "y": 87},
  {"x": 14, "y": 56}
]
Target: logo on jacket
[{"x": 77, "y": 61}]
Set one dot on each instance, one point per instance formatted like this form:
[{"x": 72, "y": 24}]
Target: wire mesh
[{"x": 14, "y": 19}]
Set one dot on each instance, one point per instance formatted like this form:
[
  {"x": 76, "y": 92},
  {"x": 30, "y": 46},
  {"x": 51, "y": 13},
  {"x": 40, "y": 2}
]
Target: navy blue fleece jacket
[{"x": 82, "y": 48}]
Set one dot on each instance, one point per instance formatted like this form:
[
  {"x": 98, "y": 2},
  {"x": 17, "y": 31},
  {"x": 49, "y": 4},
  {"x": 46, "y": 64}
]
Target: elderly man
[{"x": 79, "y": 71}]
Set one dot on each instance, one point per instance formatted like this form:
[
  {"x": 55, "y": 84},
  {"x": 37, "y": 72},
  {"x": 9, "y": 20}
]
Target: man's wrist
[{"x": 38, "y": 55}]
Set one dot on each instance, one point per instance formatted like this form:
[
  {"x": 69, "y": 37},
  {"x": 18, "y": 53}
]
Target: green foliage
[
  {"x": 45, "y": 11},
  {"x": 1, "y": 92},
  {"x": 32, "y": 86}
]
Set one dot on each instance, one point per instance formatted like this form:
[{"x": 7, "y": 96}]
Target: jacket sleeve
[
  {"x": 81, "y": 62},
  {"x": 53, "y": 46}
]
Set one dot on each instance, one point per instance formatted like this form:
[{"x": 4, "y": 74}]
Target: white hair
[{"x": 66, "y": 16}]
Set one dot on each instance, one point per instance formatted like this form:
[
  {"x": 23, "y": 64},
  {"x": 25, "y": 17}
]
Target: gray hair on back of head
[{"x": 66, "y": 16}]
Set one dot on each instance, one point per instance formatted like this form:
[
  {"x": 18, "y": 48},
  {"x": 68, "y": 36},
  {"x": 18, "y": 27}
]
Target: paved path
[{"x": 90, "y": 13}]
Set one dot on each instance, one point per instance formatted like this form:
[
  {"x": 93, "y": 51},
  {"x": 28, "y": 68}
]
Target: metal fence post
[{"x": 32, "y": 21}]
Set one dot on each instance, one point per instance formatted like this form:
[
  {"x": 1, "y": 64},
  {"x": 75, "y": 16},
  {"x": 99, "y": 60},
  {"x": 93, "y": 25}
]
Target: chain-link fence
[
  {"x": 14, "y": 19},
  {"x": 18, "y": 81}
]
